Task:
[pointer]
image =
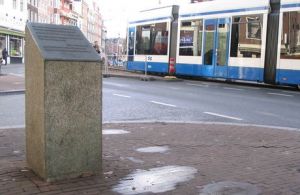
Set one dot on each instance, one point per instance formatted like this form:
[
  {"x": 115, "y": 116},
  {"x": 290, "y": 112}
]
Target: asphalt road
[
  {"x": 13, "y": 69},
  {"x": 198, "y": 101}
]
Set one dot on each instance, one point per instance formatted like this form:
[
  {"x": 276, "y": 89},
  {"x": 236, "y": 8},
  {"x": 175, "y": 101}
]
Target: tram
[
  {"x": 257, "y": 40},
  {"x": 151, "y": 38},
  {"x": 288, "y": 50}
]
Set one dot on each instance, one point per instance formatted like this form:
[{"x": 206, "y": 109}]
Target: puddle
[
  {"x": 156, "y": 180},
  {"x": 135, "y": 160},
  {"x": 230, "y": 188},
  {"x": 154, "y": 149},
  {"x": 114, "y": 132}
]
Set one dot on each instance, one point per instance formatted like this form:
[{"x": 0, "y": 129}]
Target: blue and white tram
[
  {"x": 288, "y": 56},
  {"x": 257, "y": 40},
  {"x": 223, "y": 39},
  {"x": 150, "y": 34}
]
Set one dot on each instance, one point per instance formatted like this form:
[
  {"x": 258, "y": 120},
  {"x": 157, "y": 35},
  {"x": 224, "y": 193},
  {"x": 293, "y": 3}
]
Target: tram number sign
[{"x": 149, "y": 58}]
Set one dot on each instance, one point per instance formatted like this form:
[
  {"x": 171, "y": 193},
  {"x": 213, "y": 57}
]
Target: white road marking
[
  {"x": 120, "y": 95},
  {"x": 18, "y": 75},
  {"x": 197, "y": 85},
  {"x": 230, "y": 88},
  {"x": 280, "y": 94},
  {"x": 292, "y": 92},
  {"x": 164, "y": 104},
  {"x": 224, "y": 116},
  {"x": 267, "y": 113},
  {"x": 254, "y": 88},
  {"x": 114, "y": 84},
  {"x": 175, "y": 88}
]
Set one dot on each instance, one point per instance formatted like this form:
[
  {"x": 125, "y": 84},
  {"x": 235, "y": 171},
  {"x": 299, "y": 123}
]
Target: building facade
[
  {"x": 85, "y": 12},
  {"x": 44, "y": 11},
  {"x": 64, "y": 13},
  {"x": 82, "y": 13},
  {"x": 13, "y": 19},
  {"x": 32, "y": 8}
]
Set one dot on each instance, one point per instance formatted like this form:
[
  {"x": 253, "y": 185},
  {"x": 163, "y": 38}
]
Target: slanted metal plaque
[{"x": 60, "y": 42}]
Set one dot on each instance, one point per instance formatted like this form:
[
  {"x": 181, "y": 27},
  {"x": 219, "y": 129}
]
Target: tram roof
[
  {"x": 290, "y": 5},
  {"x": 155, "y": 14},
  {"x": 225, "y": 7}
]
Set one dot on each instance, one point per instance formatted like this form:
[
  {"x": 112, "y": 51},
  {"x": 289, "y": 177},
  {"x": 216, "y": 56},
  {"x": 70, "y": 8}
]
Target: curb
[
  {"x": 142, "y": 77},
  {"x": 139, "y": 77},
  {"x": 203, "y": 123},
  {"x": 180, "y": 122},
  {"x": 12, "y": 92}
]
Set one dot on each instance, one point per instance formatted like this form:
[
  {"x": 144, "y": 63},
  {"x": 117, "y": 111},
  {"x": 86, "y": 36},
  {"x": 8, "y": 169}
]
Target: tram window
[
  {"x": 191, "y": 38},
  {"x": 246, "y": 36},
  {"x": 209, "y": 43},
  {"x": 152, "y": 39},
  {"x": 290, "y": 39}
]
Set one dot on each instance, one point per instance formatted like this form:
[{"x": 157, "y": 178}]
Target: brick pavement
[{"x": 269, "y": 159}]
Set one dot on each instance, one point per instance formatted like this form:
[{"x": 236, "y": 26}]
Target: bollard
[{"x": 63, "y": 103}]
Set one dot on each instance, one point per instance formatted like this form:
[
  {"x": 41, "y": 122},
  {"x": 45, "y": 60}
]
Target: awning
[{"x": 11, "y": 32}]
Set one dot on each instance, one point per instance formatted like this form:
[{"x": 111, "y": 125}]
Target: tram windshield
[{"x": 152, "y": 39}]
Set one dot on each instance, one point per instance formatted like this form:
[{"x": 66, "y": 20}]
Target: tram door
[
  {"x": 216, "y": 47},
  {"x": 131, "y": 37}
]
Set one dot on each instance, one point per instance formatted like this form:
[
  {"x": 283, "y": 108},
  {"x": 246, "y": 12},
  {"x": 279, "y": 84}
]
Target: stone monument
[{"x": 63, "y": 102}]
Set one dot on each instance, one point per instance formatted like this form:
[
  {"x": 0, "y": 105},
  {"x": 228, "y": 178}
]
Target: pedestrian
[
  {"x": 4, "y": 56},
  {"x": 96, "y": 46},
  {"x": 114, "y": 59}
]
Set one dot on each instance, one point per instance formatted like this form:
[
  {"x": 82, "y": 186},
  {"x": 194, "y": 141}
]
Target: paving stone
[{"x": 219, "y": 153}]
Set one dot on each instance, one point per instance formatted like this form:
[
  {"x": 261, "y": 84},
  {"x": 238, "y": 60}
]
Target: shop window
[
  {"x": 15, "y": 47},
  {"x": 246, "y": 36},
  {"x": 290, "y": 39},
  {"x": 152, "y": 39},
  {"x": 2, "y": 43},
  {"x": 191, "y": 38}
]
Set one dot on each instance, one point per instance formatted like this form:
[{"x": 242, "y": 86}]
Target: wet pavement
[
  {"x": 166, "y": 158},
  {"x": 200, "y": 158}
]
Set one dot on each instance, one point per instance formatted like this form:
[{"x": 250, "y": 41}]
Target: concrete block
[{"x": 63, "y": 103}]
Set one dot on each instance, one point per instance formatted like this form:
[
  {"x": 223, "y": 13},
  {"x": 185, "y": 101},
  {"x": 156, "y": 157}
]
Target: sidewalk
[{"x": 184, "y": 159}]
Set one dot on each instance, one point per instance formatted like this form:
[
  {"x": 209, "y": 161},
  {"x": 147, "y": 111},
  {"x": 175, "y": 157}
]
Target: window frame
[
  {"x": 240, "y": 53},
  {"x": 198, "y": 38},
  {"x": 285, "y": 55}
]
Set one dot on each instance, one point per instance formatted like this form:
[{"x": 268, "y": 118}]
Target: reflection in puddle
[
  {"x": 114, "y": 131},
  {"x": 232, "y": 188},
  {"x": 154, "y": 149},
  {"x": 155, "y": 180}
]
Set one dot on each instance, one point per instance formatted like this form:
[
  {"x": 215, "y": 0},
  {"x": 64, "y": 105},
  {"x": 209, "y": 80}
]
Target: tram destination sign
[{"x": 62, "y": 43}]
